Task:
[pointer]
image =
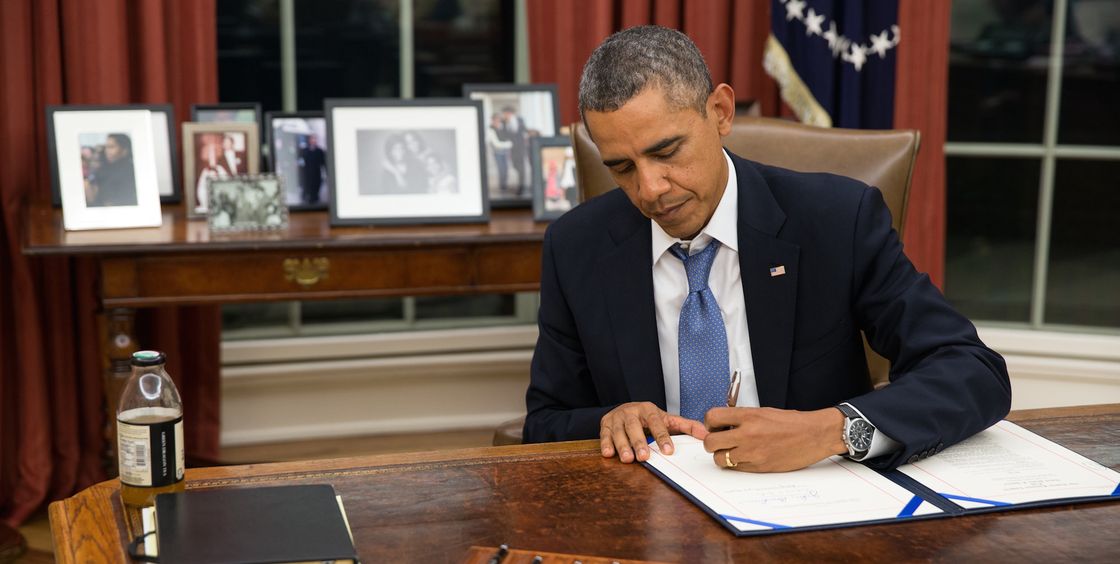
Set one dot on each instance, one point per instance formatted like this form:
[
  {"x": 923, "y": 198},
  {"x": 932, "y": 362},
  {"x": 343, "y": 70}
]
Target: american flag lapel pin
[{"x": 777, "y": 270}]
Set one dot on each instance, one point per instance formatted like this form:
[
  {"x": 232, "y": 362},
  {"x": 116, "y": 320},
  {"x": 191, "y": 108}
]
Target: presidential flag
[{"x": 834, "y": 60}]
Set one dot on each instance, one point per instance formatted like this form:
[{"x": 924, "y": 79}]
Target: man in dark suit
[{"x": 704, "y": 262}]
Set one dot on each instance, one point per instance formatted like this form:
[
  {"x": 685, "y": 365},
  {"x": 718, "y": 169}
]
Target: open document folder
[{"x": 1004, "y": 467}]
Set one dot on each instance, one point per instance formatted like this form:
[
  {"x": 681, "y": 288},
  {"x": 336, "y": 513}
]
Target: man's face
[
  {"x": 668, "y": 161},
  {"x": 312, "y": 141}
]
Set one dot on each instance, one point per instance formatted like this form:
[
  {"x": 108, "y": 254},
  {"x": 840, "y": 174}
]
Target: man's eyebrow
[{"x": 660, "y": 145}]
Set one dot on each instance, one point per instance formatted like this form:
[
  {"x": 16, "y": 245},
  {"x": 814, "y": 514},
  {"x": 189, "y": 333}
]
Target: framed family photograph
[
  {"x": 216, "y": 151},
  {"x": 513, "y": 114},
  {"x": 297, "y": 143},
  {"x": 103, "y": 161},
  {"x": 406, "y": 161},
  {"x": 163, "y": 139},
  {"x": 554, "y": 177},
  {"x": 231, "y": 112},
  {"x": 253, "y": 202}
]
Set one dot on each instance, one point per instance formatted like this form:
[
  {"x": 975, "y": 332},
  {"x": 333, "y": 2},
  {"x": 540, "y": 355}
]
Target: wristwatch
[{"x": 858, "y": 431}]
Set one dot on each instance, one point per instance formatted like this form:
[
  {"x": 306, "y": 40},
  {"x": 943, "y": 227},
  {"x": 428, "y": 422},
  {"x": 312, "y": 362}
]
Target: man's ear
[{"x": 721, "y": 104}]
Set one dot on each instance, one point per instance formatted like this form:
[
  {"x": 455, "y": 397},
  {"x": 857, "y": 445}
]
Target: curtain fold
[{"x": 51, "y": 387}]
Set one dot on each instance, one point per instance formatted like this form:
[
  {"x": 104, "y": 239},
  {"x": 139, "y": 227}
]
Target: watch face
[{"x": 859, "y": 435}]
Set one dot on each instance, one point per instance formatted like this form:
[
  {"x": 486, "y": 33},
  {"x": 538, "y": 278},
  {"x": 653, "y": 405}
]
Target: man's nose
[{"x": 652, "y": 183}]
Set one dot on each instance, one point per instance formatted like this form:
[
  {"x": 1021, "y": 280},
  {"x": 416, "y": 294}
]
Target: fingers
[
  {"x": 659, "y": 428},
  {"x": 727, "y": 458},
  {"x": 678, "y": 425},
  {"x": 637, "y": 436},
  {"x": 719, "y": 418},
  {"x": 606, "y": 442}
]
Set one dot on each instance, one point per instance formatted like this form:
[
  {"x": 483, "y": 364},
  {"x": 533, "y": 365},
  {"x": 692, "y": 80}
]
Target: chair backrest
[{"x": 881, "y": 158}]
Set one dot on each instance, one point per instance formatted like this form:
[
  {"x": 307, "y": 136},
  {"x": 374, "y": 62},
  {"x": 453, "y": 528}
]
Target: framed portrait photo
[
  {"x": 104, "y": 164},
  {"x": 232, "y": 112},
  {"x": 406, "y": 161},
  {"x": 251, "y": 202},
  {"x": 513, "y": 114},
  {"x": 554, "y": 177},
  {"x": 163, "y": 145},
  {"x": 297, "y": 143},
  {"x": 216, "y": 151}
]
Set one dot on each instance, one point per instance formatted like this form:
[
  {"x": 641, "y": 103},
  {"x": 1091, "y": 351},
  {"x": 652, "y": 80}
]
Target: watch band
[{"x": 848, "y": 411}]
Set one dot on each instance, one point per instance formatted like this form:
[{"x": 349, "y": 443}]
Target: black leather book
[{"x": 253, "y": 525}]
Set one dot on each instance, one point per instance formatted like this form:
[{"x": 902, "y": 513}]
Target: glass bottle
[{"x": 150, "y": 449}]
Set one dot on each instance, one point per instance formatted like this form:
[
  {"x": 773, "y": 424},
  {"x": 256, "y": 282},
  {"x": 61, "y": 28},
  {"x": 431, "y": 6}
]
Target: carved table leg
[{"x": 119, "y": 343}]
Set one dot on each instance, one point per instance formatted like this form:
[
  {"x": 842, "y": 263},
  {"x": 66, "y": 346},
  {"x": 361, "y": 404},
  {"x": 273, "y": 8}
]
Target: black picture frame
[
  {"x": 496, "y": 97},
  {"x": 170, "y": 186},
  {"x": 296, "y": 197},
  {"x": 552, "y": 173},
  {"x": 366, "y": 133}
]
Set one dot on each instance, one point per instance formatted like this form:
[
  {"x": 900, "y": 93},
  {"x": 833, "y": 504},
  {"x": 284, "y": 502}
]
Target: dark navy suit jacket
[{"x": 845, "y": 272}]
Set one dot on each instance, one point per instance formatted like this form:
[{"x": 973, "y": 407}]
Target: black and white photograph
[
  {"x": 104, "y": 165},
  {"x": 406, "y": 161},
  {"x": 554, "y": 180},
  {"x": 163, "y": 145},
  {"x": 247, "y": 203},
  {"x": 514, "y": 114},
  {"x": 299, "y": 152}
]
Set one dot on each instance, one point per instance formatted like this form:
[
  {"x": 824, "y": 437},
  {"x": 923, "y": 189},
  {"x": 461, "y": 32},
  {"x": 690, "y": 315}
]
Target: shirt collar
[{"x": 723, "y": 226}]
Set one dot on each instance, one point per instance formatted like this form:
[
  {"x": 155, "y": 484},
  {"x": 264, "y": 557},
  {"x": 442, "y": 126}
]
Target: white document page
[
  {"x": 1008, "y": 464},
  {"x": 830, "y": 492}
]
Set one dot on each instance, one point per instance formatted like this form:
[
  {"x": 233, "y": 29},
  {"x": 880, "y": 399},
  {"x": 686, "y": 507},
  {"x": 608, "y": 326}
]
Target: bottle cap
[{"x": 148, "y": 358}]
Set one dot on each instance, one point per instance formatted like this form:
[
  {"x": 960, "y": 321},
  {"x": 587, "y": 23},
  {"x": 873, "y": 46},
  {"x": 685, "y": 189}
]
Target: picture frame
[
  {"x": 398, "y": 161},
  {"x": 164, "y": 147},
  {"x": 226, "y": 112},
  {"x": 248, "y": 202},
  {"x": 104, "y": 164},
  {"x": 216, "y": 150},
  {"x": 298, "y": 148},
  {"x": 513, "y": 114},
  {"x": 555, "y": 189}
]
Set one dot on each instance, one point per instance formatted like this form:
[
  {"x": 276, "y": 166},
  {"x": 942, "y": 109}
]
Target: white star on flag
[
  {"x": 857, "y": 57},
  {"x": 833, "y": 38},
  {"x": 880, "y": 44},
  {"x": 813, "y": 23},
  {"x": 795, "y": 9}
]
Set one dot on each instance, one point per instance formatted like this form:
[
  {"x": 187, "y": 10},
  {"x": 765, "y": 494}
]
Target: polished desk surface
[{"x": 566, "y": 498}]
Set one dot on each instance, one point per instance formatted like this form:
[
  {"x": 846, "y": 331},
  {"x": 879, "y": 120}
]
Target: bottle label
[{"x": 151, "y": 453}]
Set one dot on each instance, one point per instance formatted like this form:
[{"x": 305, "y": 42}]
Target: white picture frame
[
  {"x": 442, "y": 181},
  {"x": 109, "y": 136}
]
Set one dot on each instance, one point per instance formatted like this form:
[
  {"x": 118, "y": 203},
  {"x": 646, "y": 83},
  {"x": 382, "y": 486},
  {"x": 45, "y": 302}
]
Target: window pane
[
  {"x": 346, "y": 48},
  {"x": 249, "y": 52},
  {"x": 1091, "y": 75},
  {"x": 342, "y": 311},
  {"x": 459, "y": 42},
  {"x": 997, "y": 70},
  {"x": 464, "y": 307},
  {"x": 270, "y": 315},
  {"x": 1083, "y": 284},
  {"x": 991, "y": 211}
]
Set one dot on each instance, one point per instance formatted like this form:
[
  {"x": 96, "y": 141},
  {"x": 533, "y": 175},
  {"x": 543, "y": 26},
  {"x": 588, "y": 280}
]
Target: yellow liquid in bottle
[{"x": 144, "y": 496}]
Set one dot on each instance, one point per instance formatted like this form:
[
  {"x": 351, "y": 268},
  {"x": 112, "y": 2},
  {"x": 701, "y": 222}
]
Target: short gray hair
[{"x": 628, "y": 62}]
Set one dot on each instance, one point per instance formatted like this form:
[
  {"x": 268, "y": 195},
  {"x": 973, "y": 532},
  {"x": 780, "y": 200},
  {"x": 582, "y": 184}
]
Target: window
[
  {"x": 1033, "y": 157},
  {"x": 357, "y": 49}
]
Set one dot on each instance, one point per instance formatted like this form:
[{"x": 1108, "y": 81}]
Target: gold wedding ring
[{"x": 727, "y": 457}]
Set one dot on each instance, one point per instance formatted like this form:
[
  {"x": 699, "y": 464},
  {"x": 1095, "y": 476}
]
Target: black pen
[{"x": 500, "y": 555}]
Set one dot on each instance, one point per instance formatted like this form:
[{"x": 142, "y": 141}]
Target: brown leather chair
[{"x": 881, "y": 158}]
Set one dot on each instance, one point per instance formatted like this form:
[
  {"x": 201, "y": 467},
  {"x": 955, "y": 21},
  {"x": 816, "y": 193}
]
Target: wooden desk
[
  {"x": 181, "y": 263},
  {"x": 565, "y": 497}
]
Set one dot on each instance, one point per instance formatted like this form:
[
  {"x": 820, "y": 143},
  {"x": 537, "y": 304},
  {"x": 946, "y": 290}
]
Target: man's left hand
[{"x": 773, "y": 440}]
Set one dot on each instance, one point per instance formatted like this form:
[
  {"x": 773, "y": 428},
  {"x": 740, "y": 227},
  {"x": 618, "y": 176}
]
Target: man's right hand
[{"x": 622, "y": 431}]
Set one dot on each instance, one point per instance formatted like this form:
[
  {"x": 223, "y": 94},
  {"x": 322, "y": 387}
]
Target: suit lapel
[
  {"x": 771, "y": 300},
  {"x": 628, "y": 288}
]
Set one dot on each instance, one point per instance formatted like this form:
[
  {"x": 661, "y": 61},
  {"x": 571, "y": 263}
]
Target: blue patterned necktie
[{"x": 702, "y": 338}]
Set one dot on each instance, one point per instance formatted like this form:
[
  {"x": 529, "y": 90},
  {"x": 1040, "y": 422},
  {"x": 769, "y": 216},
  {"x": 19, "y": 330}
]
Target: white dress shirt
[{"x": 670, "y": 287}]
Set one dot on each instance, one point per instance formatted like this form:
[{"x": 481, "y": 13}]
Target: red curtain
[
  {"x": 731, "y": 34},
  {"x": 51, "y": 402}
]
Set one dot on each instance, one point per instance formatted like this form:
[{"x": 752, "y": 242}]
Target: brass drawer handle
[{"x": 306, "y": 271}]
